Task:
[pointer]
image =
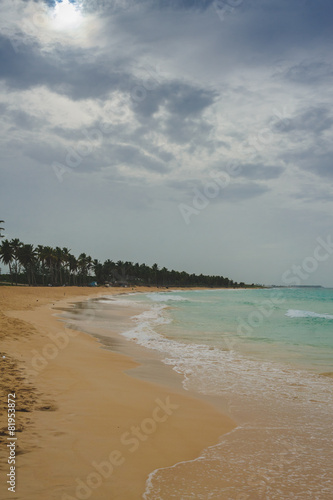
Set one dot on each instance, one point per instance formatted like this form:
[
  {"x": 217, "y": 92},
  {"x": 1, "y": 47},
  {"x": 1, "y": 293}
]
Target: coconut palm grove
[{"x": 47, "y": 266}]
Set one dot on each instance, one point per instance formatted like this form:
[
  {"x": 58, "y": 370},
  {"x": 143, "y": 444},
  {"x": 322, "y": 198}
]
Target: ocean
[
  {"x": 293, "y": 326},
  {"x": 267, "y": 356}
]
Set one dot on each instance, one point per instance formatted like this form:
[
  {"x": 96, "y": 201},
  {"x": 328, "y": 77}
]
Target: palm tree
[
  {"x": 7, "y": 256},
  {"x": 16, "y": 244},
  {"x": 144, "y": 273},
  {"x": 59, "y": 258},
  {"x": 108, "y": 270},
  {"x": 164, "y": 273},
  {"x": 27, "y": 256},
  {"x": 41, "y": 255},
  {"x": 154, "y": 268},
  {"x": 98, "y": 270},
  {"x": 50, "y": 262},
  {"x": 73, "y": 267},
  {"x": 65, "y": 253},
  {"x": 83, "y": 263},
  {"x": 120, "y": 273}
]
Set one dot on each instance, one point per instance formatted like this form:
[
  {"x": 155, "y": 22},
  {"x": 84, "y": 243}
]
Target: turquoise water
[{"x": 294, "y": 326}]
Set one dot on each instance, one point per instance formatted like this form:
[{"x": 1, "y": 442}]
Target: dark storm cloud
[
  {"x": 63, "y": 71},
  {"x": 180, "y": 107},
  {"x": 184, "y": 4},
  {"x": 176, "y": 98},
  {"x": 261, "y": 33},
  {"x": 187, "y": 100},
  {"x": 66, "y": 72},
  {"x": 279, "y": 23}
]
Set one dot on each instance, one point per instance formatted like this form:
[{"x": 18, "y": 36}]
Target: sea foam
[{"x": 296, "y": 313}]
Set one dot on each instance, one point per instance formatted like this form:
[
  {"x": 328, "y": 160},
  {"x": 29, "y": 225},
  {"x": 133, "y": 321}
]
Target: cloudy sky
[{"x": 191, "y": 133}]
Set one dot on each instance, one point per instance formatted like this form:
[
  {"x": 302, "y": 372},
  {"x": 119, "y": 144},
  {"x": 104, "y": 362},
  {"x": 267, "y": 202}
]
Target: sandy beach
[{"x": 84, "y": 427}]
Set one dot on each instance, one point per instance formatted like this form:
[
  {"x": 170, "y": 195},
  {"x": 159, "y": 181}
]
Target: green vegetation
[{"x": 44, "y": 265}]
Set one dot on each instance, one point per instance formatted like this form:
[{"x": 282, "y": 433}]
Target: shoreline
[
  {"x": 150, "y": 366},
  {"x": 85, "y": 425}
]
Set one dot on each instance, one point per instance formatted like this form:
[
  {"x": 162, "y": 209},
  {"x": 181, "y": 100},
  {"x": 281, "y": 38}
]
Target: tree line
[{"x": 45, "y": 265}]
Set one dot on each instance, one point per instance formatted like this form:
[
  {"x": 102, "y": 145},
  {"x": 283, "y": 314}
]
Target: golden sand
[{"x": 84, "y": 428}]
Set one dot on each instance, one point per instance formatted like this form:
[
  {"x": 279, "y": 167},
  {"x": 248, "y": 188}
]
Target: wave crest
[
  {"x": 165, "y": 297},
  {"x": 297, "y": 313}
]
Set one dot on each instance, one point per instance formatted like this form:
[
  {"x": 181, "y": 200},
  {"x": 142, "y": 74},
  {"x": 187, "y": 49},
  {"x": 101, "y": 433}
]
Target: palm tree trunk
[{"x": 11, "y": 273}]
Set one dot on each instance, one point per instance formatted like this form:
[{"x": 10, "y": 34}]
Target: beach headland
[{"x": 85, "y": 427}]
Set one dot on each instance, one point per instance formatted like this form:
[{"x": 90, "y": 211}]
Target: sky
[{"x": 191, "y": 133}]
